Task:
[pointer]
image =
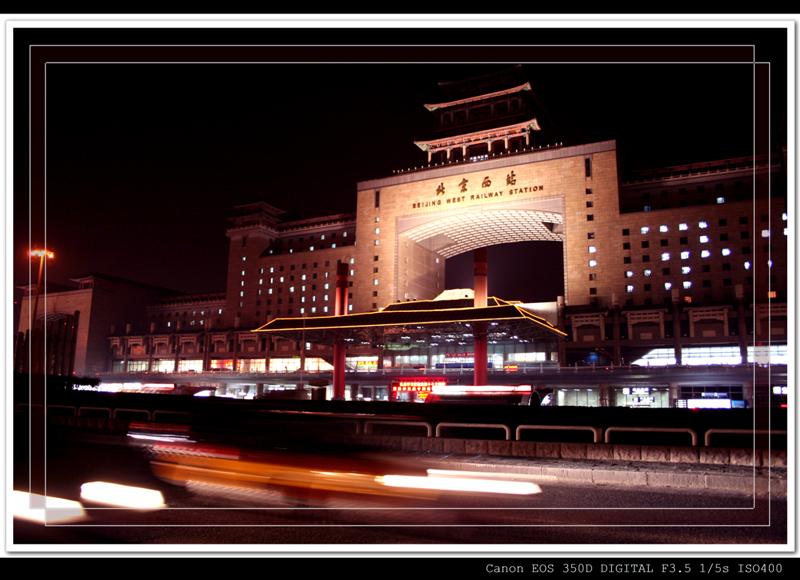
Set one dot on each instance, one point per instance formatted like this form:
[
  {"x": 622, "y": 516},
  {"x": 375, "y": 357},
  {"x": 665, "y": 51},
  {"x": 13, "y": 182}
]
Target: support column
[
  {"x": 747, "y": 394},
  {"x": 742, "y": 323},
  {"x": 605, "y": 396},
  {"x": 339, "y": 350},
  {"x": 481, "y": 290},
  {"x": 674, "y": 394},
  {"x": 615, "y": 334},
  {"x": 562, "y": 346},
  {"x": 676, "y": 327}
]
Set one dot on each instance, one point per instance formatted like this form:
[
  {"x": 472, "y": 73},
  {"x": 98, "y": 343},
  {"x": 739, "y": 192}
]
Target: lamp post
[{"x": 43, "y": 254}]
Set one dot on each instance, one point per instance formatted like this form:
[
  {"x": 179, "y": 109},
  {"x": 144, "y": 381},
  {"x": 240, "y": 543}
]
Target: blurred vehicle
[
  {"x": 301, "y": 478},
  {"x": 483, "y": 394}
]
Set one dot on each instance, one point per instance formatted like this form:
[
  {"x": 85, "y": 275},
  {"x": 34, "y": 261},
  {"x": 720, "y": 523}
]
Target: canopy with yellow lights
[{"x": 420, "y": 323}]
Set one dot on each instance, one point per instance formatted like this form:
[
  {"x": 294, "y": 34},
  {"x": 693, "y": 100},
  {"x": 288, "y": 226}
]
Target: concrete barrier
[{"x": 581, "y": 451}]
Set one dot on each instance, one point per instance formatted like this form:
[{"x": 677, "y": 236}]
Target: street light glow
[{"x": 42, "y": 253}]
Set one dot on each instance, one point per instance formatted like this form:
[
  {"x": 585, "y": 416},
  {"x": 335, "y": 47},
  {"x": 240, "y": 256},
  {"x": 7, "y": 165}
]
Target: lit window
[
  {"x": 377, "y": 242},
  {"x": 764, "y": 233},
  {"x": 685, "y": 255},
  {"x": 702, "y": 225},
  {"x": 313, "y": 299},
  {"x": 592, "y": 249},
  {"x": 592, "y": 263},
  {"x": 310, "y": 248},
  {"x": 769, "y": 263},
  {"x": 333, "y": 245},
  {"x": 785, "y": 231},
  {"x": 244, "y": 258},
  {"x": 169, "y": 324},
  {"x": 291, "y": 251},
  {"x": 726, "y": 251},
  {"x": 344, "y": 235},
  {"x": 683, "y": 227},
  {"x": 705, "y": 254},
  {"x": 259, "y": 291},
  {"x": 322, "y": 237},
  {"x": 302, "y": 310},
  {"x": 271, "y": 279},
  {"x": 629, "y": 288},
  {"x": 303, "y": 288},
  {"x": 325, "y": 297},
  {"x": 773, "y": 294},
  {"x": 686, "y": 270},
  {"x": 268, "y": 292},
  {"x": 644, "y": 229},
  {"x": 326, "y": 286},
  {"x": 747, "y": 265},
  {"x": 377, "y": 231},
  {"x": 242, "y": 282},
  {"x": 375, "y": 282},
  {"x": 663, "y": 228},
  {"x": 241, "y": 293},
  {"x": 261, "y": 281},
  {"x": 280, "y": 279},
  {"x": 325, "y": 309},
  {"x": 302, "y": 299},
  {"x": 303, "y": 277},
  {"x": 703, "y": 239},
  {"x": 687, "y": 284},
  {"x": 313, "y": 310},
  {"x": 629, "y": 274},
  {"x": 242, "y": 272},
  {"x": 352, "y": 260},
  {"x": 720, "y": 200},
  {"x": 665, "y": 256},
  {"x": 667, "y": 285},
  {"x": 648, "y": 272},
  {"x": 202, "y": 322},
  {"x": 784, "y": 216},
  {"x": 271, "y": 269},
  {"x": 219, "y": 311},
  {"x": 350, "y": 307},
  {"x": 352, "y": 272},
  {"x": 291, "y": 288}
]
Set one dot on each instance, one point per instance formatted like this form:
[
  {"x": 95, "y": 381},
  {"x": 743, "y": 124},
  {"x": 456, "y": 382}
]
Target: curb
[{"x": 754, "y": 482}]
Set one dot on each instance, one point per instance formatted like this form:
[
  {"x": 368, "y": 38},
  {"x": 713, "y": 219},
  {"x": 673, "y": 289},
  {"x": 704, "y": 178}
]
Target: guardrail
[
  {"x": 710, "y": 432},
  {"x": 106, "y": 410},
  {"x": 597, "y": 432},
  {"x": 609, "y": 430},
  {"x": 369, "y": 423},
  {"x": 505, "y": 428}
]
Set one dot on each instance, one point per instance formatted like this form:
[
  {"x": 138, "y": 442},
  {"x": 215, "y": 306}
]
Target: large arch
[{"x": 425, "y": 242}]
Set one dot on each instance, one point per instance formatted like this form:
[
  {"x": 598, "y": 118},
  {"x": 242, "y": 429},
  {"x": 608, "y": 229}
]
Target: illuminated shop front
[
  {"x": 711, "y": 397},
  {"x": 642, "y": 397}
]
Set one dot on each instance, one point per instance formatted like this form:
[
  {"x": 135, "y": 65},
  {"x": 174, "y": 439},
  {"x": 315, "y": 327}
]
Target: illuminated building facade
[{"x": 676, "y": 265}]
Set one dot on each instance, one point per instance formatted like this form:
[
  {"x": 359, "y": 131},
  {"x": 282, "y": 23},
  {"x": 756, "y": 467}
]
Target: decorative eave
[
  {"x": 425, "y": 317},
  {"x": 478, "y": 136},
  {"x": 511, "y": 91}
]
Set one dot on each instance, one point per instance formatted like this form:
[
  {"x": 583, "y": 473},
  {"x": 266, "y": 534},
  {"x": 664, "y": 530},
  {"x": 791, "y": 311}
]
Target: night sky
[{"x": 144, "y": 161}]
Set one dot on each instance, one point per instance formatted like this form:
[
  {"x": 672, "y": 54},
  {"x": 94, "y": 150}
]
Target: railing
[
  {"x": 369, "y": 423},
  {"x": 710, "y": 432},
  {"x": 363, "y": 424},
  {"x": 691, "y": 432},
  {"x": 597, "y": 432},
  {"x": 505, "y": 428}
]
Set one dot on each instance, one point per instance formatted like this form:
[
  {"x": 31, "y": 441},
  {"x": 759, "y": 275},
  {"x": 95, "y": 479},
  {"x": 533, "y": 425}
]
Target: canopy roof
[{"x": 420, "y": 323}]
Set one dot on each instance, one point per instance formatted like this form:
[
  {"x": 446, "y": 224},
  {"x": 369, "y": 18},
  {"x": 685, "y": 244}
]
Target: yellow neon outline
[
  {"x": 524, "y": 313},
  {"x": 547, "y": 326}
]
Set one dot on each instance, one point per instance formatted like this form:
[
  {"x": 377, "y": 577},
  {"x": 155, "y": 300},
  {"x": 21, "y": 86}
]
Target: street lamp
[{"x": 43, "y": 254}]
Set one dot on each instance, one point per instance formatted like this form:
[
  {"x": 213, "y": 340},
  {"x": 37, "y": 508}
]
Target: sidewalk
[{"x": 760, "y": 482}]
